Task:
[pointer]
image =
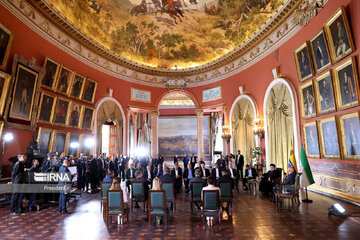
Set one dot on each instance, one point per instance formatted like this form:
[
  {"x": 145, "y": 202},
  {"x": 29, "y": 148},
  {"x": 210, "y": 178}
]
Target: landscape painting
[{"x": 165, "y": 33}]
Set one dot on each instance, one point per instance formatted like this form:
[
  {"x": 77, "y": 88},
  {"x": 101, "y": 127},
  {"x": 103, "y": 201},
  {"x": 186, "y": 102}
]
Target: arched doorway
[
  {"x": 280, "y": 123},
  {"x": 243, "y": 114},
  {"x": 110, "y": 123}
]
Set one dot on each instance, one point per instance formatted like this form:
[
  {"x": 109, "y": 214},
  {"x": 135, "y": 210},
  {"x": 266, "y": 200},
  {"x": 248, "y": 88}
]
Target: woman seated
[
  {"x": 156, "y": 184},
  {"x": 116, "y": 186}
]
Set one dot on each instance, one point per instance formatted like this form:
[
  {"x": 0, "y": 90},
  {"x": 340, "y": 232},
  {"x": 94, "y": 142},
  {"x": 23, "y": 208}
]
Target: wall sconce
[
  {"x": 226, "y": 133},
  {"x": 259, "y": 128}
]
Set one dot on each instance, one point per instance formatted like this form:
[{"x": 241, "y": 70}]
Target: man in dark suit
[
  {"x": 234, "y": 175},
  {"x": 167, "y": 177},
  {"x": 139, "y": 178},
  {"x": 268, "y": 180},
  {"x": 216, "y": 173},
  {"x": 148, "y": 175},
  {"x": 193, "y": 160},
  {"x": 176, "y": 159},
  {"x": 17, "y": 178},
  {"x": 121, "y": 167},
  {"x": 250, "y": 173},
  {"x": 113, "y": 166},
  {"x": 177, "y": 174},
  {"x": 239, "y": 162},
  {"x": 130, "y": 176},
  {"x": 160, "y": 159},
  {"x": 289, "y": 180},
  {"x": 188, "y": 175},
  {"x": 186, "y": 161},
  {"x": 64, "y": 194},
  {"x": 205, "y": 173}
]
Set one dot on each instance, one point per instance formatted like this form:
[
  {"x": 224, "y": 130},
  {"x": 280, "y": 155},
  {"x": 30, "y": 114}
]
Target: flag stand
[{"x": 307, "y": 200}]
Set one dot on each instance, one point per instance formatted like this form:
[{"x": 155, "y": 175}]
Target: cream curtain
[
  {"x": 279, "y": 125},
  {"x": 110, "y": 112},
  {"x": 242, "y": 129}
]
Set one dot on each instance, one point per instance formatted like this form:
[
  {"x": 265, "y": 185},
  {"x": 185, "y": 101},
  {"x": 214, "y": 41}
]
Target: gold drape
[
  {"x": 242, "y": 129},
  {"x": 280, "y": 125},
  {"x": 110, "y": 112}
]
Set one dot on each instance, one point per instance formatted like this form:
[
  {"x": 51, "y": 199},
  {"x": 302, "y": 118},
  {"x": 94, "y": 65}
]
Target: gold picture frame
[
  {"x": 303, "y": 61},
  {"x": 307, "y": 100},
  {"x": 320, "y": 51},
  {"x": 25, "y": 83},
  {"x": 74, "y": 115},
  {"x": 46, "y": 108},
  {"x": 329, "y": 138},
  {"x": 346, "y": 84},
  {"x": 63, "y": 80},
  {"x": 77, "y": 86},
  {"x": 339, "y": 35},
  {"x": 61, "y": 112},
  {"x": 350, "y": 137},
  {"x": 51, "y": 71},
  {"x": 311, "y": 142},
  {"x": 325, "y": 94},
  {"x": 4, "y": 89},
  {"x": 140, "y": 95},
  {"x": 44, "y": 139},
  {"x": 72, "y": 138},
  {"x": 89, "y": 91},
  {"x": 1, "y": 129},
  {"x": 59, "y": 138},
  {"x": 86, "y": 122},
  {"x": 6, "y": 41},
  {"x": 86, "y": 151}
]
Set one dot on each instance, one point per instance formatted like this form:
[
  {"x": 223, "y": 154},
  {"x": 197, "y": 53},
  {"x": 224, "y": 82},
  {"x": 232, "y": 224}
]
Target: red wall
[{"x": 255, "y": 79}]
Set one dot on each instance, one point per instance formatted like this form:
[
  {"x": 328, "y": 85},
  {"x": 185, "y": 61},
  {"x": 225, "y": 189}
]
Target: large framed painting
[
  {"x": 6, "y": 40},
  {"x": 320, "y": 52},
  {"x": 60, "y": 140},
  {"x": 86, "y": 150},
  {"x": 74, "y": 117},
  {"x": 325, "y": 98},
  {"x": 347, "y": 84},
  {"x": 89, "y": 90},
  {"x": 64, "y": 80},
  {"x": 339, "y": 35},
  {"x": 51, "y": 71},
  {"x": 77, "y": 86},
  {"x": 74, "y": 145},
  {"x": 311, "y": 140},
  {"x": 24, "y": 93},
  {"x": 44, "y": 140},
  {"x": 307, "y": 100},
  {"x": 303, "y": 62},
  {"x": 350, "y": 129},
  {"x": 4, "y": 88},
  {"x": 47, "y": 105},
  {"x": 329, "y": 140},
  {"x": 61, "y": 112},
  {"x": 87, "y": 117}
]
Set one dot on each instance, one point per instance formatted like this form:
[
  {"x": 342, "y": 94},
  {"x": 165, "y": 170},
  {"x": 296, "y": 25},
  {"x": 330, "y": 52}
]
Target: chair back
[
  {"x": 297, "y": 182},
  {"x": 169, "y": 190},
  {"x": 211, "y": 200},
  {"x": 104, "y": 188},
  {"x": 157, "y": 199},
  {"x": 196, "y": 188},
  {"x": 115, "y": 199},
  {"x": 138, "y": 189},
  {"x": 279, "y": 180},
  {"x": 226, "y": 189}
]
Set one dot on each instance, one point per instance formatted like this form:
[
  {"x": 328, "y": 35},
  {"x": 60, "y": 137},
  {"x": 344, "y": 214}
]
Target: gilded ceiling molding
[{"x": 273, "y": 34}]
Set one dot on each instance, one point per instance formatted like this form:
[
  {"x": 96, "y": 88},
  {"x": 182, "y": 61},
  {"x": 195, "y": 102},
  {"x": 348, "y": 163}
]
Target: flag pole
[{"x": 307, "y": 200}]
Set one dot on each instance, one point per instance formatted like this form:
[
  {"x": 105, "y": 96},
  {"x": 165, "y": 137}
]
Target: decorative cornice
[{"x": 40, "y": 18}]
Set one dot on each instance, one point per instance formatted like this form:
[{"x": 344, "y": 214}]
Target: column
[
  {"x": 128, "y": 115},
  {"x": 154, "y": 133},
  {"x": 135, "y": 115},
  {"x": 200, "y": 113}
]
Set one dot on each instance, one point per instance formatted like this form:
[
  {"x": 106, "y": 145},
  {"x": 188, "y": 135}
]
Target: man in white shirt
[
  {"x": 210, "y": 186},
  {"x": 250, "y": 173},
  {"x": 216, "y": 173},
  {"x": 234, "y": 175}
]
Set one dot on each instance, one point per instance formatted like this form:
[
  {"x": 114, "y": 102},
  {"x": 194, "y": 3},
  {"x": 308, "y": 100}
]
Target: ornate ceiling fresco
[{"x": 166, "y": 34}]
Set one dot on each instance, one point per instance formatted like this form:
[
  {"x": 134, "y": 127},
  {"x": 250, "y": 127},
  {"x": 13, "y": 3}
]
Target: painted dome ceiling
[{"x": 167, "y": 34}]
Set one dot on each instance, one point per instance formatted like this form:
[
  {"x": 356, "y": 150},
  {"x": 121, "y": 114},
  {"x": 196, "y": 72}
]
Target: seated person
[
  {"x": 205, "y": 173},
  {"x": 167, "y": 177},
  {"x": 138, "y": 179},
  {"x": 268, "y": 180},
  {"x": 216, "y": 172},
  {"x": 148, "y": 175},
  {"x": 289, "y": 180},
  {"x": 224, "y": 177},
  {"x": 234, "y": 175},
  {"x": 109, "y": 177},
  {"x": 156, "y": 184},
  {"x": 116, "y": 186},
  {"x": 210, "y": 186},
  {"x": 197, "y": 178},
  {"x": 250, "y": 173},
  {"x": 188, "y": 175}
]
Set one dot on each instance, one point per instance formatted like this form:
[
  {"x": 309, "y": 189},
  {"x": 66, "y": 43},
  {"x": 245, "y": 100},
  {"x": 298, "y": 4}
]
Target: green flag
[{"x": 306, "y": 176}]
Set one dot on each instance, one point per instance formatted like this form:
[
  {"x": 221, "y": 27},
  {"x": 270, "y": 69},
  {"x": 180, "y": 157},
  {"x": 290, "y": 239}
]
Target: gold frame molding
[
  {"x": 67, "y": 112},
  {"x": 214, "y": 99},
  {"x": 82, "y": 118},
  {"x": 58, "y": 79},
  {"x": 311, "y": 42},
  {"x": 54, "y": 139},
  {"x": 318, "y": 95},
  {"x": 305, "y": 139},
  {"x": 138, "y": 100},
  {"x": 5, "y": 90},
  {"x": 299, "y": 49},
  {"x": 301, "y": 88},
  {"x": 94, "y": 92},
  {"x": 343, "y": 137},
  {"x": 81, "y": 88},
  {"x": 322, "y": 140},
  {"x": 52, "y": 108},
  {"x": 8, "y": 47},
  {"x": 47, "y": 59},
  {"x": 69, "y": 118},
  {"x": 51, "y": 136}
]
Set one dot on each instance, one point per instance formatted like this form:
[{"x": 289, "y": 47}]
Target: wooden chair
[
  {"x": 170, "y": 193},
  {"x": 293, "y": 196},
  {"x": 195, "y": 193},
  {"x": 104, "y": 188},
  {"x": 211, "y": 205},
  {"x": 226, "y": 194},
  {"x": 157, "y": 205},
  {"x": 137, "y": 192},
  {"x": 116, "y": 206}
]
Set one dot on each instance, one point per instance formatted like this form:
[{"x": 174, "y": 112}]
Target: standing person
[
  {"x": 239, "y": 162},
  {"x": 121, "y": 163},
  {"x": 35, "y": 168},
  {"x": 113, "y": 165},
  {"x": 177, "y": 174},
  {"x": 64, "y": 168},
  {"x": 80, "y": 171},
  {"x": 186, "y": 161},
  {"x": 130, "y": 175},
  {"x": 193, "y": 160},
  {"x": 17, "y": 178},
  {"x": 176, "y": 159},
  {"x": 160, "y": 160},
  {"x": 148, "y": 175},
  {"x": 188, "y": 175}
]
